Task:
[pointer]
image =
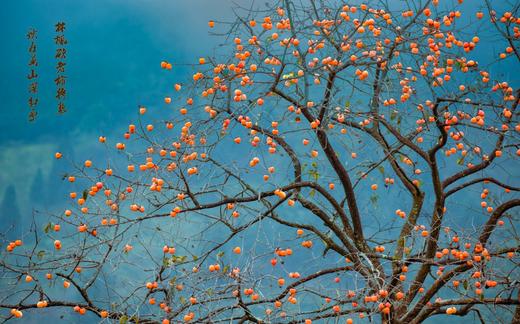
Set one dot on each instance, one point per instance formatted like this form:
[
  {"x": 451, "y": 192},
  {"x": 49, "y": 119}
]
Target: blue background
[{"x": 114, "y": 51}]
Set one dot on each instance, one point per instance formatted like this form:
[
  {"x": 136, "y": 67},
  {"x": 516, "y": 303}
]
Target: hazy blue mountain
[{"x": 10, "y": 214}]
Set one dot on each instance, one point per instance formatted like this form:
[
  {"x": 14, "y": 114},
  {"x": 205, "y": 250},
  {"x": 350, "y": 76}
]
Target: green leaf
[
  {"x": 40, "y": 254},
  {"x": 347, "y": 104},
  {"x": 220, "y": 254},
  {"x": 123, "y": 319},
  {"x": 226, "y": 269},
  {"x": 381, "y": 169},
  {"x": 393, "y": 114},
  {"x": 314, "y": 174},
  {"x": 465, "y": 284},
  {"x": 85, "y": 194},
  {"x": 178, "y": 259},
  {"x": 182, "y": 299},
  {"x": 47, "y": 228}
]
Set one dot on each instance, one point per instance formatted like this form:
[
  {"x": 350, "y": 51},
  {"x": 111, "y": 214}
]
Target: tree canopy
[{"x": 331, "y": 162}]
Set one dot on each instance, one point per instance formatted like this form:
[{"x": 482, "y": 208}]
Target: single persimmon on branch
[{"x": 331, "y": 162}]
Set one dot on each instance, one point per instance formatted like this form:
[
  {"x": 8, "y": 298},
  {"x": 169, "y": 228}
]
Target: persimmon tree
[{"x": 331, "y": 162}]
